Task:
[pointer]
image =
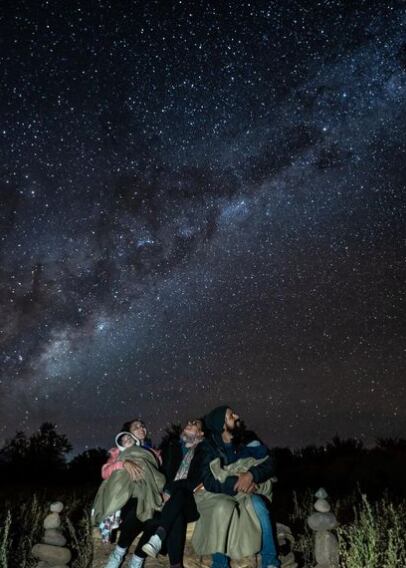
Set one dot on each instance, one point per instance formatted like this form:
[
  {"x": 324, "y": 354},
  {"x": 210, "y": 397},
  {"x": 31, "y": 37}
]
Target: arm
[
  {"x": 207, "y": 478},
  {"x": 112, "y": 464},
  {"x": 262, "y": 472}
]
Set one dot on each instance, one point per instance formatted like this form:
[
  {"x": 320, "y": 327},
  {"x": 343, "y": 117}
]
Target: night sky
[{"x": 203, "y": 202}]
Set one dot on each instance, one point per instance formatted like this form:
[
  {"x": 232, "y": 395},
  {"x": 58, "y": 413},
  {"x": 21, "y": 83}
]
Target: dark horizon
[{"x": 200, "y": 204}]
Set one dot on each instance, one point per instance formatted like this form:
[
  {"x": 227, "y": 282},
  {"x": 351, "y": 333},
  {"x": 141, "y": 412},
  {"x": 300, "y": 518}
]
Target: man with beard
[
  {"x": 182, "y": 467},
  {"x": 222, "y": 424}
]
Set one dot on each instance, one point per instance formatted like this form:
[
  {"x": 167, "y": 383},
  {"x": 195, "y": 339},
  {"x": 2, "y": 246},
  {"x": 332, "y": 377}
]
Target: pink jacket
[{"x": 112, "y": 463}]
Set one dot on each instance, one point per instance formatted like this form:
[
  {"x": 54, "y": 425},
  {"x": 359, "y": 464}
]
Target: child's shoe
[
  {"x": 136, "y": 562},
  {"x": 153, "y": 546},
  {"x": 116, "y": 557}
]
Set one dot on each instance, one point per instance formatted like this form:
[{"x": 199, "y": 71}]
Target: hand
[
  {"x": 165, "y": 497},
  {"x": 244, "y": 483},
  {"x": 252, "y": 489},
  {"x": 134, "y": 470}
]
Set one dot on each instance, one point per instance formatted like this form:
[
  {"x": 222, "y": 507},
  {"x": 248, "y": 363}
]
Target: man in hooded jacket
[{"x": 221, "y": 424}]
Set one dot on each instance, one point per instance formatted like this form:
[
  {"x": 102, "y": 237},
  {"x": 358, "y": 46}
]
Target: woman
[{"x": 133, "y": 484}]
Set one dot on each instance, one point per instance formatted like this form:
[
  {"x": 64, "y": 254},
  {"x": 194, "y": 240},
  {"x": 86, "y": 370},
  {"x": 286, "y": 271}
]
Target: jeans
[{"x": 269, "y": 556}]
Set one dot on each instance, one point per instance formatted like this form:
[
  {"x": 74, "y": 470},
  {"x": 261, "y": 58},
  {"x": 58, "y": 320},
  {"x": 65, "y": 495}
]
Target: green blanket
[
  {"x": 228, "y": 524},
  {"x": 115, "y": 491}
]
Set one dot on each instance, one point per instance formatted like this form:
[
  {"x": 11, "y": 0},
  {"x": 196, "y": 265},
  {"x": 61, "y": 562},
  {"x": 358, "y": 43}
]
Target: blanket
[
  {"x": 115, "y": 491},
  {"x": 229, "y": 524}
]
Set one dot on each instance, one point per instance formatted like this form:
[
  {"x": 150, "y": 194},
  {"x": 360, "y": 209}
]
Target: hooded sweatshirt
[{"x": 214, "y": 447}]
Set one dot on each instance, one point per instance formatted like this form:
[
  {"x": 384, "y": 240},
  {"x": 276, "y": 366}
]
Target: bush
[{"x": 376, "y": 537}]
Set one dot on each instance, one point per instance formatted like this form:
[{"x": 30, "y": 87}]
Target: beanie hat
[{"x": 215, "y": 420}]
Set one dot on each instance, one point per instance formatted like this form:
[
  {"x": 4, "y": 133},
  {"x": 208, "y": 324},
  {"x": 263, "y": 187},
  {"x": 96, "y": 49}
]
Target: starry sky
[{"x": 203, "y": 202}]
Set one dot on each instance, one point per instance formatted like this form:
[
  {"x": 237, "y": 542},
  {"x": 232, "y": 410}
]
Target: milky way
[{"x": 203, "y": 202}]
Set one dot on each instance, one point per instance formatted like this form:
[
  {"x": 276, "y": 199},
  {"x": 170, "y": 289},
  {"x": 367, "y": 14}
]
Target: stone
[
  {"x": 322, "y": 506},
  {"x": 52, "y": 521},
  {"x": 56, "y": 507},
  {"x": 284, "y": 534},
  {"x": 321, "y": 493},
  {"x": 42, "y": 564},
  {"x": 288, "y": 561},
  {"x": 55, "y": 555},
  {"x": 55, "y": 537},
  {"x": 322, "y": 521},
  {"x": 326, "y": 548}
]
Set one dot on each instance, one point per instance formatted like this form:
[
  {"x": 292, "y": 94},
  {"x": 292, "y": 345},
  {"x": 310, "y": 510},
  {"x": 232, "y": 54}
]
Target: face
[
  {"x": 231, "y": 421},
  {"x": 138, "y": 429},
  {"x": 127, "y": 441},
  {"x": 193, "y": 428}
]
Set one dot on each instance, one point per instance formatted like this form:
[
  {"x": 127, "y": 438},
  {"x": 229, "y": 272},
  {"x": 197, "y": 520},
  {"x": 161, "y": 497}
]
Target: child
[
  {"x": 142, "y": 468},
  {"x": 133, "y": 432}
]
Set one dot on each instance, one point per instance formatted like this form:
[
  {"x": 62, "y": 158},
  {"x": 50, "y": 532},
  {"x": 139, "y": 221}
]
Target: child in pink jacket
[{"x": 133, "y": 432}]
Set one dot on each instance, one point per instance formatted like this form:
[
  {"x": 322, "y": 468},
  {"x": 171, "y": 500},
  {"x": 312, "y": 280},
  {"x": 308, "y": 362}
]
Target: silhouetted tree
[
  {"x": 15, "y": 450},
  {"x": 391, "y": 444},
  {"x": 342, "y": 447},
  {"x": 86, "y": 467},
  {"x": 41, "y": 456}
]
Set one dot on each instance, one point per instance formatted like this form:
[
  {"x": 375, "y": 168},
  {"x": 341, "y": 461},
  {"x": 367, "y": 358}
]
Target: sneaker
[
  {"x": 136, "y": 562},
  {"x": 153, "y": 546},
  {"x": 115, "y": 559}
]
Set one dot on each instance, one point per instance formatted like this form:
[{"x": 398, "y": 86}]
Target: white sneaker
[
  {"x": 153, "y": 546},
  {"x": 136, "y": 562},
  {"x": 115, "y": 559}
]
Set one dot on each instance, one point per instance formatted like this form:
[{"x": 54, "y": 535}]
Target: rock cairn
[
  {"x": 51, "y": 552},
  {"x": 322, "y": 522},
  {"x": 285, "y": 544}
]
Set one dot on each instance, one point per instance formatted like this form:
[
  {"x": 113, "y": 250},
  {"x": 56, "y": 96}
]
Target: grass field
[{"x": 371, "y": 535}]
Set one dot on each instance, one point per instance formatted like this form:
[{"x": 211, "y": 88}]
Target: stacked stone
[
  {"x": 51, "y": 552},
  {"x": 322, "y": 522},
  {"x": 285, "y": 543}
]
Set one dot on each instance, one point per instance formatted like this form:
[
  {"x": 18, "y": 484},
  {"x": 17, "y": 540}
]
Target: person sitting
[
  {"x": 181, "y": 464},
  {"x": 238, "y": 524},
  {"x": 132, "y": 486}
]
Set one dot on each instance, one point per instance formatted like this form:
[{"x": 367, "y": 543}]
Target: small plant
[
  {"x": 4, "y": 541},
  {"x": 302, "y": 506},
  {"x": 304, "y": 546},
  {"x": 376, "y": 537},
  {"x": 82, "y": 545}
]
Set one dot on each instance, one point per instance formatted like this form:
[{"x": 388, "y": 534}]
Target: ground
[{"x": 102, "y": 551}]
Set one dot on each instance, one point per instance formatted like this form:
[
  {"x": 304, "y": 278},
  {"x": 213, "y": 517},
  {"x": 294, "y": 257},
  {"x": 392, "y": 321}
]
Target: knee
[
  {"x": 224, "y": 508},
  {"x": 259, "y": 504}
]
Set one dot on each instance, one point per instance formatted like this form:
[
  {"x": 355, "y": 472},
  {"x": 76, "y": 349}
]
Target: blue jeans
[{"x": 269, "y": 556}]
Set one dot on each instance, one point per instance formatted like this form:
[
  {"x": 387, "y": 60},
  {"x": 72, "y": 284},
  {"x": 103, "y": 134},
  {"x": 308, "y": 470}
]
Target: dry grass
[{"x": 376, "y": 538}]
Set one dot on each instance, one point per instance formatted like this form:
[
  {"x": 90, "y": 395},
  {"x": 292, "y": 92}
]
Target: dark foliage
[
  {"x": 341, "y": 466},
  {"x": 38, "y": 457},
  {"x": 86, "y": 467}
]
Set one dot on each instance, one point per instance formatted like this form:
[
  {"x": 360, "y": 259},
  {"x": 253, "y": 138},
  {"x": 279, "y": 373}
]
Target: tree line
[{"x": 341, "y": 465}]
